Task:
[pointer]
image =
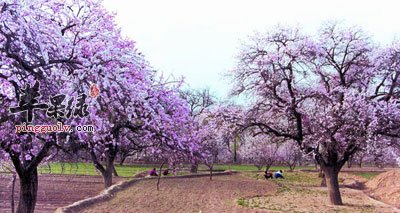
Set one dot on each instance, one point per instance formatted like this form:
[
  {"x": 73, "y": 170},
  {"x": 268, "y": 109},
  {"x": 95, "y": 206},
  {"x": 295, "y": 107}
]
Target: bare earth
[
  {"x": 297, "y": 193},
  {"x": 315, "y": 199},
  {"x": 225, "y": 192},
  {"x": 386, "y": 187},
  {"x": 187, "y": 195},
  {"x": 300, "y": 196},
  {"x": 55, "y": 191}
]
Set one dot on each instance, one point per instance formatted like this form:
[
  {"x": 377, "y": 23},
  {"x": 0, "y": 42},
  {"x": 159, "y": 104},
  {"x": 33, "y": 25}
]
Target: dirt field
[
  {"x": 55, "y": 191},
  {"x": 245, "y": 192},
  {"x": 300, "y": 192},
  {"x": 187, "y": 195}
]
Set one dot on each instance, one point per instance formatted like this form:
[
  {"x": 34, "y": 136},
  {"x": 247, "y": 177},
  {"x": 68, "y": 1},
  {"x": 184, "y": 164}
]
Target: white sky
[{"x": 199, "y": 39}]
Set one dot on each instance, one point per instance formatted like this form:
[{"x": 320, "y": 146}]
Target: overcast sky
[{"x": 199, "y": 39}]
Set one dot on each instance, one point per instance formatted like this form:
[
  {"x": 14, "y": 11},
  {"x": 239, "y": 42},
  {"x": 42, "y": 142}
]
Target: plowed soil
[
  {"x": 225, "y": 193},
  {"x": 187, "y": 195},
  {"x": 54, "y": 191}
]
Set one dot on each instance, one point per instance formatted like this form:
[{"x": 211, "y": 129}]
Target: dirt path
[
  {"x": 55, "y": 191},
  {"x": 187, "y": 195}
]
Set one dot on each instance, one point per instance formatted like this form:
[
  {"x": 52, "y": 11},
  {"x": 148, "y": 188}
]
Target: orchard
[{"x": 81, "y": 102}]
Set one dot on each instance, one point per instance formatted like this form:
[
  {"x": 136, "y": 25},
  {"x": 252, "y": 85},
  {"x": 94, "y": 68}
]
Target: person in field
[
  {"x": 278, "y": 174},
  {"x": 268, "y": 175},
  {"x": 166, "y": 172},
  {"x": 153, "y": 172}
]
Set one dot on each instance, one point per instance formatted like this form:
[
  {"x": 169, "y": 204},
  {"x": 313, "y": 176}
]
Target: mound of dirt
[
  {"x": 352, "y": 181},
  {"x": 386, "y": 187}
]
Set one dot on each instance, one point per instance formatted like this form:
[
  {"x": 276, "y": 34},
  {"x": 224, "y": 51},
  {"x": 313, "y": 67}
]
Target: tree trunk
[
  {"x": 211, "y": 172},
  {"x": 107, "y": 175},
  {"x": 332, "y": 180},
  {"x": 291, "y": 166},
  {"x": 28, "y": 194},
  {"x": 12, "y": 193},
  {"x": 48, "y": 165},
  {"x": 360, "y": 162},
  {"x": 123, "y": 158},
  {"x": 159, "y": 176},
  {"x": 115, "y": 172},
  {"x": 106, "y": 171},
  {"x": 194, "y": 167},
  {"x": 350, "y": 162},
  {"x": 28, "y": 178},
  {"x": 268, "y": 166},
  {"x": 62, "y": 167},
  {"x": 234, "y": 151}
]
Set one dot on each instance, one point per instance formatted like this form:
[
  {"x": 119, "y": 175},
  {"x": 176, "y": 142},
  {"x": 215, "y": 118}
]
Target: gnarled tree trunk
[
  {"x": 123, "y": 158},
  {"x": 107, "y": 171},
  {"x": 28, "y": 191},
  {"x": 350, "y": 162},
  {"x": 28, "y": 178},
  {"x": 115, "y": 172},
  {"x": 331, "y": 165},
  {"x": 159, "y": 176},
  {"x": 107, "y": 177},
  {"x": 14, "y": 176},
  {"x": 332, "y": 181}
]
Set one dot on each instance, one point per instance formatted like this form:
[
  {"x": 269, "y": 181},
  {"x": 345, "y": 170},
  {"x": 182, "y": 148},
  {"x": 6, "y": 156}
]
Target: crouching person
[
  {"x": 268, "y": 175},
  {"x": 278, "y": 174},
  {"x": 166, "y": 172},
  {"x": 153, "y": 172}
]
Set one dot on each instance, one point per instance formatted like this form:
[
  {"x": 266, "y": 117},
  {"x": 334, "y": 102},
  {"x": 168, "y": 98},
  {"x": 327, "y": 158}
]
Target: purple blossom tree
[
  {"x": 331, "y": 94},
  {"x": 261, "y": 151},
  {"x": 213, "y": 133},
  {"x": 148, "y": 118},
  {"x": 50, "y": 47},
  {"x": 290, "y": 154},
  {"x": 199, "y": 102}
]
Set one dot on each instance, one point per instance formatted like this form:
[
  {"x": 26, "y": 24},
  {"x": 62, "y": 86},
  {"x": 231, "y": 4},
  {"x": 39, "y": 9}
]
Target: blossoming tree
[
  {"x": 51, "y": 54},
  {"x": 290, "y": 154},
  {"x": 199, "y": 102},
  {"x": 46, "y": 48},
  {"x": 215, "y": 130},
  {"x": 331, "y": 94}
]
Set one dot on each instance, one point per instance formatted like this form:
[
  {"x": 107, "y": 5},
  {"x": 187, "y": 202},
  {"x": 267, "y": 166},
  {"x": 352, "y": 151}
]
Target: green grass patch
[
  {"x": 243, "y": 202},
  {"x": 82, "y": 168},
  {"x": 89, "y": 169},
  {"x": 301, "y": 179},
  {"x": 294, "y": 184},
  {"x": 296, "y": 178},
  {"x": 366, "y": 175},
  {"x": 242, "y": 167}
]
